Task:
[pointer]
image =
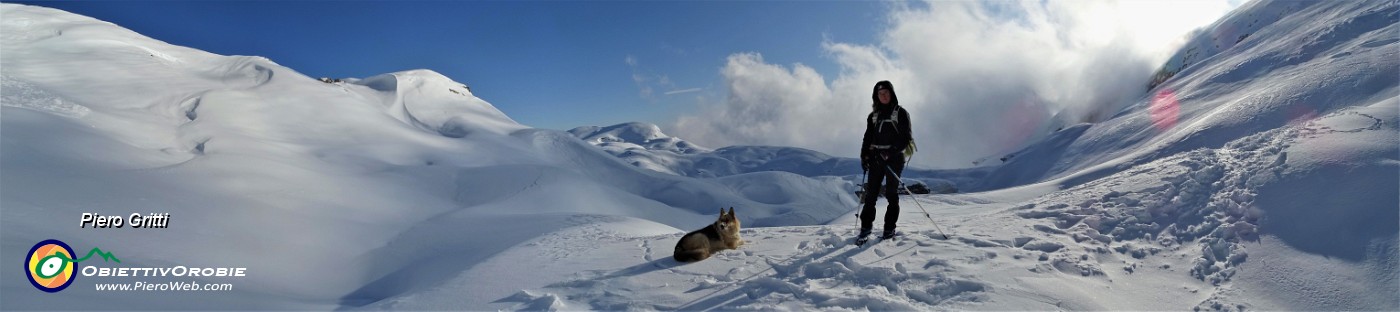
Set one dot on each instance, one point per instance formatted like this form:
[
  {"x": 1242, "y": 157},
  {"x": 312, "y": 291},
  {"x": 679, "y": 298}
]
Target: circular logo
[{"x": 50, "y": 265}]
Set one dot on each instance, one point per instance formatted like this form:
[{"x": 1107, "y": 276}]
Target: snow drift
[
  {"x": 1273, "y": 139},
  {"x": 331, "y": 193},
  {"x": 1260, "y": 174}
]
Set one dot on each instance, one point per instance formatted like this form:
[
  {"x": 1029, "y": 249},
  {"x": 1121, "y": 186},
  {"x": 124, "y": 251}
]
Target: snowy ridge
[
  {"x": 635, "y": 135},
  {"x": 271, "y": 170},
  {"x": 1224, "y": 34},
  {"x": 1259, "y": 177},
  {"x": 640, "y": 144},
  {"x": 1265, "y": 83},
  {"x": 417, "y": 97},
  {"x": 644, "y": 145}
]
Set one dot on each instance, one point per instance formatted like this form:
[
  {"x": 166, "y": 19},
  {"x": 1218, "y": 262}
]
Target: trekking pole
[
  {"x": 861, "y": 202},
  {"x": 916, "y": 201}
]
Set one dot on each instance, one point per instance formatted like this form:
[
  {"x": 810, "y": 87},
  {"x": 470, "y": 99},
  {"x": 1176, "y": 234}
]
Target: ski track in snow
[
  {"x": 1274, "y": 188},
  {"x": 795, "y": 267},
  {"x": 1201, "y": 203}
]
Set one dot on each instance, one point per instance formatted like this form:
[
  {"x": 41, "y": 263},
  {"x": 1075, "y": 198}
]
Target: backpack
[{"x": 894, "y": 119}]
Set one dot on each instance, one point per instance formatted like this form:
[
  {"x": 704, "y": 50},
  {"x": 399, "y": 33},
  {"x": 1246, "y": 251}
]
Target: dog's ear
[
  {"x": 721, "y": 212},
  {"x": 731, "y": 211}
]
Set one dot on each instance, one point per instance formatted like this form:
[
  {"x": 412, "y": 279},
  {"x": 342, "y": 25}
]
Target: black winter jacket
[{"x": 886, "y": 133}]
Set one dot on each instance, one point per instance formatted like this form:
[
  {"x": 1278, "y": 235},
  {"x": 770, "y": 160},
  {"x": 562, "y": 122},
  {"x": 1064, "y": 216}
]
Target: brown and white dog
[{"x": 700, "y": 244}]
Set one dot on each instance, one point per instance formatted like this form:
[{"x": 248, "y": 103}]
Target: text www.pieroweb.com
[
  {"x": 178, "y": 271},
  {"x": 164, "y": 286}
]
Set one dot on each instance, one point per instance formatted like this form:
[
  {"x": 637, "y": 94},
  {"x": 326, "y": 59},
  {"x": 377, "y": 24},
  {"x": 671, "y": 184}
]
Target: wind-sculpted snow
[
  {"x": 1199, "y": 196},
  {"x": 1318, "y": 58},
  {"x": 453, "y": 113},
  {"x": 1261, "y": 176},
  {"x": 1271, "y": 183},
  {"x": 1212, "y": 205},
  {"x": 339, "y": 193}
]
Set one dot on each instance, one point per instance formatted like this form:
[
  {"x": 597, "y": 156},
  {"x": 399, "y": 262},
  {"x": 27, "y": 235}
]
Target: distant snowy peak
[
  {"x": 635, "y": 135},
  {"x": 644, "y": 145}
]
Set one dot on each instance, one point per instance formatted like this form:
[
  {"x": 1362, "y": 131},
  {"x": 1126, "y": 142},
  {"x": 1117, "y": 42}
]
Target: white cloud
[
  {"x": 765, "y": 105},
  {"x": 980, "y": 79}
]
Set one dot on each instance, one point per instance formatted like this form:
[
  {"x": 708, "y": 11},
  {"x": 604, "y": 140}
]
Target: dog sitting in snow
[{"x": 700, "y": 244}]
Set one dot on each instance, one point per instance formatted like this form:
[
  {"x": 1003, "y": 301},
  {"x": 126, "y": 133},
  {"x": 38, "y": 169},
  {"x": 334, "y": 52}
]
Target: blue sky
[
  {"x": 548, "y": 64},
  {"x": 979, "y": 78}
]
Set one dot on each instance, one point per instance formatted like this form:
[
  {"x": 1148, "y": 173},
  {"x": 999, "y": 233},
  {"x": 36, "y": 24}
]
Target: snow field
[
  {"x": 597, "y": 266},
  {"x": 1272, "y": 188}
]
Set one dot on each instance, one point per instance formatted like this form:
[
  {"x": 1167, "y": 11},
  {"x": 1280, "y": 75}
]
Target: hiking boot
[
  {"x": 863, "y": 237},
  {"x": 888, "y": 234}
]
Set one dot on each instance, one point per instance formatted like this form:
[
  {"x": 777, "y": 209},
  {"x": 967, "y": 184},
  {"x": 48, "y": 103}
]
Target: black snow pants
[{"x": 880, "y": 172}]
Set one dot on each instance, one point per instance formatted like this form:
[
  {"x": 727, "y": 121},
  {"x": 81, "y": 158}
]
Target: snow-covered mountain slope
[
  {"x": 1206, "y": 229},
  {"x": 1286, "y": 72},
  {"x": 1263, "y": 177},
  {"x": 644, "y": 145},
  {"x": 1282, "y": 144},
  {"x": 329, "y": 193},
  {"x": 641, "y": 144},
  {"x": 634, "y": 135},
  {"x": 1223, "y": 35}
]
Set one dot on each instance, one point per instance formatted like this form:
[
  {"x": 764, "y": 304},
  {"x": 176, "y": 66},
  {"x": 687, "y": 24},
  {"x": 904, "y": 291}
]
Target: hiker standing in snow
[{"x": 881, "y": 151}]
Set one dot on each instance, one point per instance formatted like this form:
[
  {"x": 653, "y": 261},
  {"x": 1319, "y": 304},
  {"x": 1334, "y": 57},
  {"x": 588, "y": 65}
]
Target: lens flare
[{"x": 1164, "y": 110}]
